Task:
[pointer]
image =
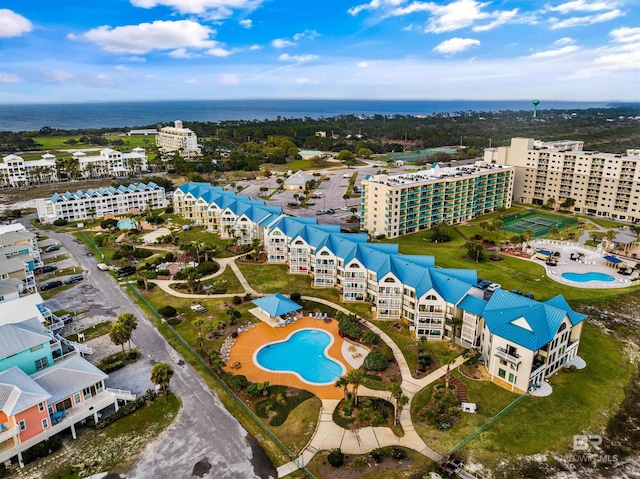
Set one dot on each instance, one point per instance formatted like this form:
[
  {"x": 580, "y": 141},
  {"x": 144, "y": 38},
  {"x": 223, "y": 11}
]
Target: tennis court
[{"x": 538, "y": 223}]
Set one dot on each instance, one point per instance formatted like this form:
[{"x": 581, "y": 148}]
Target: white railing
[
  {"x": 77, "y": 346},
  {"x": 8, "y": 432},
  {"x": 501, "y": 353},
  {"x": 122, "y": 394}
]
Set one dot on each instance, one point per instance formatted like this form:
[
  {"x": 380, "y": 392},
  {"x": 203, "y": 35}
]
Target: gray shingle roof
[
  {"x": 68, "y": 377},
  {"x": 17, "y": 337},
  {"x": 18, "y": 392}
]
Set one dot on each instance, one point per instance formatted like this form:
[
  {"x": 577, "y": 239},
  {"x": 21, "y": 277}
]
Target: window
[
  {"x": 45, "y": 424},
  {"x": 502, "y": 373},
  {"x": 512, "y": 377},
  {"x": 41, "y": 407},
  {"x": 42, "y": 363},
  {"x": 76, "y": 398},
  {"x": 23, "y": 425}
]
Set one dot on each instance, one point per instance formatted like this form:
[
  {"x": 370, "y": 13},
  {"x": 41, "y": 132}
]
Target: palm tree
[
  {"x": 610, "y": 235},
  {"x": 161, "y": 374},
  {"x": 119, "y": 335},
  {"x": 554, "y": 232},
  {"x": 197, "y": 323},
  {"x": 498, "y": 225},
  {"x": 478, "y": 249},
  {"x": 529, "y": 235},
  {"x": 208, "y": 249},
  {"x": 345, "y": 197},
  {"x": 454, "y": 323},
  {"x": 484, "y": 225},
  {"x": 216, "y": 360},
  {"x": 343, "y": 383},
  {"x": 130, "y": 323},
  {"x": 400, "y": 399},
  {"x": 355, "y": 377}
]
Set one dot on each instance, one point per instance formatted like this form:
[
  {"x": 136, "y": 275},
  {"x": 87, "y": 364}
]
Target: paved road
[{"x": 204, "y": 428}]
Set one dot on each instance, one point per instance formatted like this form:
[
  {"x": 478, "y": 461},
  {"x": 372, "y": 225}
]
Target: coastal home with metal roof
[{"x": 521, "y": 340}]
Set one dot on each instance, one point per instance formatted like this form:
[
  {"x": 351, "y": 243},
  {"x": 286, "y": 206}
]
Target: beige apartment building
[
  {"x": 398, "y": 205},
  {"x": 177, "y": 138},
  {"x": 601, "y": 184}
]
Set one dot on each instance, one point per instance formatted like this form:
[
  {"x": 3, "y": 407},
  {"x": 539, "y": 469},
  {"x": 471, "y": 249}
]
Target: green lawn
[
  {"x": 199, "y": 234},
  {"x": 581, "y": 403},
  {"x": 93, "y": 332},
  {"x": 227, "y": 280},
  {"x": 300, "y": 425}
]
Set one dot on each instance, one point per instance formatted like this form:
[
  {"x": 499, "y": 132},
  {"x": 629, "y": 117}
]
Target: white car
[
  {"x": 493, "y": 287},
  {"x": 103, "y": 267}
]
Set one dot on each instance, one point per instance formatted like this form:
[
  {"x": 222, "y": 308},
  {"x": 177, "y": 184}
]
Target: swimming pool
[
  {"x": 586, "y": 277},
  {"x": 303, "y": 353},
  {"x": 127, "y": 224}
]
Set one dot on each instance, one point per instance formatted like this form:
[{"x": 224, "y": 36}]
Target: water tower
[{"x": 535, "y": 108}]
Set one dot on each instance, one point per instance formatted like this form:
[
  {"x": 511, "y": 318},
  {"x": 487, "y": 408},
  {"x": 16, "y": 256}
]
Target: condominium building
[
  {"x": 521, "y": 340},
  {"x": 177, "y": 138},
  {"x": 100, "y": 202},
  {"x": 402, "y": 204},
  {"x": 15, "y": 171},
  {"x": 601, "y": 184},
  {"x": 19, "y": 255},
  {"x": 112, "y": 163}
]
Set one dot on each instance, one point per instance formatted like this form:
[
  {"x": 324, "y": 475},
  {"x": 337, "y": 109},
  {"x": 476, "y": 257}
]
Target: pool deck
[
  {"x": 591, "y": 263},
  {"x": 249, "y": 341}
]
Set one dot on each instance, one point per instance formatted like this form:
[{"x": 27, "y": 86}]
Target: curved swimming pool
[
  {"x": 586, "y": 277},
  {"x": 127, "y": 224},
  {"x": 303, "y": 353}
]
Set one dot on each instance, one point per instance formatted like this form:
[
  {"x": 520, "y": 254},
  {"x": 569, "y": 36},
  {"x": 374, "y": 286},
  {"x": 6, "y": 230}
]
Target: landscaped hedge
[
  {"x": 41, "y": 450},
  {"x": 128, "y": 408},
  {"x": 208, "y": 267},
  {"x": 167, "y": 311},
  {"x": 280, "y": 403},
  {"x": 60, "y": 222},
  {"x": 375, "y": 362}
]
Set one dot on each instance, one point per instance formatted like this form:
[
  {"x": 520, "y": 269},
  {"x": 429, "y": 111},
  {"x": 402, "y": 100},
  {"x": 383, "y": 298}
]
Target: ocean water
[{"x": 29, "y": 117}]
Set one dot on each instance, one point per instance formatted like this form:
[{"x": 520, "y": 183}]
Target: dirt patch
[
  {"x": 471, "y": 372},
  {"x": 348, "y": 471}
]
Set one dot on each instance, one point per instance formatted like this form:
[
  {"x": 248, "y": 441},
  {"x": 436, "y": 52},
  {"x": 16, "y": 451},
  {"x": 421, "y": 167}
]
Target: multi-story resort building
[
  {"x": 15, "y": 171},
  {"x": 177, "y": 138},
  {"x": 601, "y": 184},
  {"x": 402, "y": 204},
  {"x": 112, "y": 163},
  {"x": 100, "y": 202},
  {"x": 521, "y": 340}
]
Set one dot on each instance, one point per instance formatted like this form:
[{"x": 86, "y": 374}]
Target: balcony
[{"x": 503, "y": 354}]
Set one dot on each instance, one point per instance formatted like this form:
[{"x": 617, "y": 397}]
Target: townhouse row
[{"x": 522, "y": 341}]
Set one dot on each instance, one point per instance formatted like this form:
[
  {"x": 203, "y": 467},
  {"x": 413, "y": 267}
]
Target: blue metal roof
[
  {"x": 561, "y": 303},
  {"x": 276, "y": 304},
  {"x": 473, "y": 305}
]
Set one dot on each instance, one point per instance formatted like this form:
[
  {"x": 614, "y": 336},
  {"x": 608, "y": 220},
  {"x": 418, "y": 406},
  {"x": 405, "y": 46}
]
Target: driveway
[{"x": 204, "y": 429}]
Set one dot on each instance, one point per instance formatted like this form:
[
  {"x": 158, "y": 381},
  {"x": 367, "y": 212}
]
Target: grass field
[{"x": 59, "y": 142}]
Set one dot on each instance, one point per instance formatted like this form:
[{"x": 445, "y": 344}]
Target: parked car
[
  {"x": 74, "y": 278},
  {"x": 293, "y": 203},
  {"x": 50, "y": 285},
  {"x": 484, "y": 284},
  {"x": 103, "y": 267},
  {"x": 53, "y": 247},
  {"x": 48, "y": 268},
  {"x": 516, "y": 291},
  {"x": 126, "y": 271},
  {"x": 493, "y": 287},
  {"x": 326, "y": 178},
  {"x": 322, "y": 212},
  {"x": 528, "y": 295}
]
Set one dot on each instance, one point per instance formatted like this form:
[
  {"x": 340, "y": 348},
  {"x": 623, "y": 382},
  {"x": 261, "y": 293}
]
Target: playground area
[
  {"x": 417, "y": 156},
  {"x": 540, "y": 224}
]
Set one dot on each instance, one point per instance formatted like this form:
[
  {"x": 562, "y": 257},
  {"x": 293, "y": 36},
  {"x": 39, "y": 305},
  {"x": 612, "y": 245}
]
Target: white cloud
[
  {"x": 218, "y": 52},
  {"x": 374, "y": 5},
  {"x": 586, "y": 20},
  {"x": 282, "y": 43},
  {"x": 59, "y": 76},
  {"x": 304, "y": 81},
  {"x": 456, "y": 45},
  {"x": 191, "y": 81},
  {"x": 582, "y": 6},
  {"x": 135, "y": 59},
  {"x": 285, "y": 57},
  {"x": 365, "y": 64},
  {"x": 9, "y": 78},
  {"x": 182, "y": 53},
  {"x": 255, "y": 47},
  {"x": 308, "y": 34},
  {"x": 626, "y": 35},
  {"x": 625, "y": 57},
  {"x": 145, "y": 37},
  {"x": 556, "y": 53},
  {"x": 213, "y": 9},
  {"x": 12, "y": 24},
  {"x": 246, "y": 23},
  {"x": 122, "y": 68},
  {"x": 456, "y": 15},
  {"x": 228, "y": 79},
  {"x": 564, "y": 41}
]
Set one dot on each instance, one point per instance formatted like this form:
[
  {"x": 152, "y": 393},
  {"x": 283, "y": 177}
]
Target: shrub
[
  {"x": 109, "y": 368},
  {"x": 163, "y": 272},
  {"x": 253, "y": 390},
  {"x": 398, "y": 453},
  {"x": 168, "y": 311},
  {"x": 208, "y": 267},
  {"x": 375, "y": 362},
  {"x": 444, "y": 424},
  {"x": 349, "y": 326},
  {"x": 295, "y": 296},
  {"x": 359, "y": 463},
  {"x": 168, "y": 258},
  {"x": 377, "y": 455},
  {"x": 238, "y": 382},
  {"x": 128, "y": 408},
  {"x": 59, "y": 222},
  {"x": 371, "y": 337},
  {"x": 236, "y": 300},
  {"x": 336, "y": 457},
  {"x": 40, "y": 450},
  {"x": 168, "y": 210}
]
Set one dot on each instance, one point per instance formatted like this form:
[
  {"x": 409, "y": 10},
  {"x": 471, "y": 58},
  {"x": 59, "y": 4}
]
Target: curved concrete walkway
[{"x": 328, "y": 434}]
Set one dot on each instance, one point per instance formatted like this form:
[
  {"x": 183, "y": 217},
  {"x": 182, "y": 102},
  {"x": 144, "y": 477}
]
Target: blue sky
[{"x": 75, "y": 50}]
